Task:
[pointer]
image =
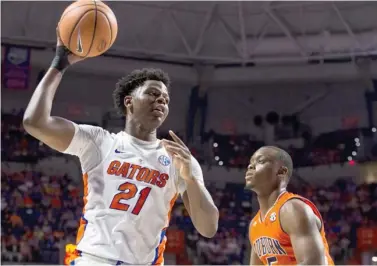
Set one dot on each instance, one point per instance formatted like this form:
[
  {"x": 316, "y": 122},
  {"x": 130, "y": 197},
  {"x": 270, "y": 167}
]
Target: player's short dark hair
[
  {"x": 283, "y": 157},
  {"x": 126, "y": 85}
]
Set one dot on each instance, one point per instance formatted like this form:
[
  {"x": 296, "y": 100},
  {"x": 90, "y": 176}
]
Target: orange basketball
[{"x": 88, "y": 28}]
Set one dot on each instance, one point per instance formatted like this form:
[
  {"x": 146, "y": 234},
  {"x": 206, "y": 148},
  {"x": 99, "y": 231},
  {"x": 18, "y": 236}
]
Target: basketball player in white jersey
[{"x": 131, "y": 179}]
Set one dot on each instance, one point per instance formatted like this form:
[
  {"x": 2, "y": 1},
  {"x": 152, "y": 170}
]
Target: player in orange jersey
[{"x": 288, "y": 229}]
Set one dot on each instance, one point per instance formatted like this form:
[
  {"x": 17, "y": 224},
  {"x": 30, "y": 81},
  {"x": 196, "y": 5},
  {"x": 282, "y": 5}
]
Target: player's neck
[
  {"x": 268, "y": 200},
  {"x": 137, "y": 131}
]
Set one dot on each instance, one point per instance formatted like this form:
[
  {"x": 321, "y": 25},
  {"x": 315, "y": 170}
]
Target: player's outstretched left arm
[
  {"x": 300, "y": 223},
  {"x": 197, "y": 200}
]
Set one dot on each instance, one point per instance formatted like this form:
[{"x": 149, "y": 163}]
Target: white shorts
[{"x": 87, "y": 259}]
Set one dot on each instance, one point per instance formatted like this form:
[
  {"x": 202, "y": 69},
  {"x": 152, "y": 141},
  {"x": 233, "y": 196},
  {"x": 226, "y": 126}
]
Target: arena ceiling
[{"x": 216, "y": 32}]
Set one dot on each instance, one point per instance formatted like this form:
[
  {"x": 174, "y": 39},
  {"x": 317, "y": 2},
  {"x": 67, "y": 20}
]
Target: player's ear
[
  {"x": 127, "y": 101},
  {"x": 283, "y": 172}
]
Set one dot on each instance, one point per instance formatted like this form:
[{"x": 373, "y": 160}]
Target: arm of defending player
[
  {"x": 254, "y": 259},
  {"x": 300, "y": 223},
  {"x": 56, "y": 132}
]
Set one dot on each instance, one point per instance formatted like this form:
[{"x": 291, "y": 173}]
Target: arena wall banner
[
  {"x": 176, "y": 241},
  {"x": 16, "y": 67},
  {"x": 367, "y": 238}
]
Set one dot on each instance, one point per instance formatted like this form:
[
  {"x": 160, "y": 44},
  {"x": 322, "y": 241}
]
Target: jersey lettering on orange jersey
[{"x": 268, "y": 246}]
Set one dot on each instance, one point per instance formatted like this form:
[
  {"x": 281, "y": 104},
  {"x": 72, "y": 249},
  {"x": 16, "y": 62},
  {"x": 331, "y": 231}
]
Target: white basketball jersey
[{"x": 130, "y": 187}]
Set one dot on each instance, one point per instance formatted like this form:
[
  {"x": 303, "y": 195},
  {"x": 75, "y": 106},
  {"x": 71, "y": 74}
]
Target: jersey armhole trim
[
  {"x": 254, "y": 220},
  {"x": 76, "y": 127},
  {"x": 99, "y": 150},
  {"x": 249, "y": 233},
  {"x": 281, "y": 227},
  {"x": 112, "y": 147}
]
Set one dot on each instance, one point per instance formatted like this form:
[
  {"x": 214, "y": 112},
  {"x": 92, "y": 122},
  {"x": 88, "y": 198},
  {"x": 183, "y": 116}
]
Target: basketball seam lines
[
  {"x": 108, "y": 21},
  {"x": 94, "y": 30},
  {"x": 69, "y": 11},
  {"x": 74, "y": 28}
]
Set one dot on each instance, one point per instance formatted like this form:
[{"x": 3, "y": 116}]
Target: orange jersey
[{"x": 270, "y": 242}]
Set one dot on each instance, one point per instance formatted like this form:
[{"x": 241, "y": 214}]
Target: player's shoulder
[
  {"x": 287, "y": 197},
  {"x": 295, "y": 214},
  {"x": 95, "y": 131},
  {"x": 291, "y": 202},
  {"x": 294, "y": 205},
  {"x": 89, "y": 128},
  {"x": 254, "y": 220}
]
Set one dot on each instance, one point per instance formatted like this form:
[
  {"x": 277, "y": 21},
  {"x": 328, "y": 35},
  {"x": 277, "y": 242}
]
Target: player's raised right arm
[{"x": 55, "y": 132}]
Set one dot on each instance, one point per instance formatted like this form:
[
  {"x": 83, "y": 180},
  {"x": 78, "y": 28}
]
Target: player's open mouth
[{"x": 158, "y": 111}]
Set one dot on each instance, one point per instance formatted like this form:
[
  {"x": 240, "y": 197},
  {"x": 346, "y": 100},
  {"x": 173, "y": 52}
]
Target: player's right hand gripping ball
[{"x": 88, "y": 28}]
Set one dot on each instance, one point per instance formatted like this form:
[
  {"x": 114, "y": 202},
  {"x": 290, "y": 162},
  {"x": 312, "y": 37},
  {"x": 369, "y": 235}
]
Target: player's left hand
[{"x": 180, "y": 154}]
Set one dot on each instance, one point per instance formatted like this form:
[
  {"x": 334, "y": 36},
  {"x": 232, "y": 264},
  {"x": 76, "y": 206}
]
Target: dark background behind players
[{"x": 309, "y": 88}]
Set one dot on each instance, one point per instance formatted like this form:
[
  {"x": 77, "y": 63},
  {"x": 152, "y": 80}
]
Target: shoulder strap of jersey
[{"x": 309, "y": 203}]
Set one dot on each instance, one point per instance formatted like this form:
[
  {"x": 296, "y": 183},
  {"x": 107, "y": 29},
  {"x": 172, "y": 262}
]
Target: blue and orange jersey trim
[
  {"x": 71, "y": 255},
  {"x": 159, "y": 257}
]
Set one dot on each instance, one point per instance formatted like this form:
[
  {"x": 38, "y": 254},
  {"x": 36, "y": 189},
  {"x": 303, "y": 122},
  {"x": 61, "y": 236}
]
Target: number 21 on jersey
[{"x": 128, "y": 191}]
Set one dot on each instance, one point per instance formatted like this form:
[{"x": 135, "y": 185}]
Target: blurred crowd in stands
[
  {"x": 16, "y": 144},
  {"x": 38, "y": 213},
  {"x": 231, "y": 151},
  {"x": 41, "y": 212},
  {"x": 333, "y": 147}
]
